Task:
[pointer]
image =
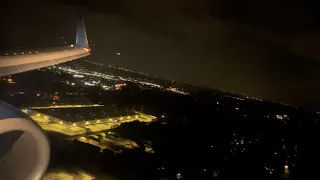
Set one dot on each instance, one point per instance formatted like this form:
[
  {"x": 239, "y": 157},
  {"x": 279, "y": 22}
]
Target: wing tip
[{"x": 81, "y": 39}]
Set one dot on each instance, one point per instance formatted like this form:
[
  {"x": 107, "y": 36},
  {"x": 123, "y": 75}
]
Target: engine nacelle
[{"x": 24, "y": 148}]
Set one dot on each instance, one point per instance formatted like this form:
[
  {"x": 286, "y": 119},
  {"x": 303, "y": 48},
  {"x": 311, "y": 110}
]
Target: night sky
[{"x": 268, "y": 49}]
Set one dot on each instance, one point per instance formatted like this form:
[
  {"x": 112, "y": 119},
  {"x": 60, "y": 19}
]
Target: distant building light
[
  {"x": 118, "y": 53},
  {"x": 242, "y": 141},
  {"x": 286, "y": 169},
  {"x": 279, "y": 116},
  {"x": 71, "y": 45},
  {"x": 179, "y": 176},
  {"x": 29, "y": 52}
]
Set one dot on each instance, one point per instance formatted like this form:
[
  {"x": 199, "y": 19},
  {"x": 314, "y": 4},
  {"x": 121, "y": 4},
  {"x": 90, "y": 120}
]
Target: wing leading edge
[{"x": 25, "y": 62}]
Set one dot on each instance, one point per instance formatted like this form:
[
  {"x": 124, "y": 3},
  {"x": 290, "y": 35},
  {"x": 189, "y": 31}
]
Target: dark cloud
[{"x": 260, "y": 48}]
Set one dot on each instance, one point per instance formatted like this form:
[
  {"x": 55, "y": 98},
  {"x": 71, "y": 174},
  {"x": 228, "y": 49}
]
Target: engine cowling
[{"x": 24, "y": 148}]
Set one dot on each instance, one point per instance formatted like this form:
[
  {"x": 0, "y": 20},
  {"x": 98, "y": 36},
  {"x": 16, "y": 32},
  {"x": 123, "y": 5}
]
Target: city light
[
  {"x": 78, "y": 76},
  {"x": 178, "y": 176},
  {"x": 81, "y": 73},
  {"x": 89, "y": 84},
  {"x": 175, "y": 90},
  {"x": 88, "y": 128},
  {"x": 279, "y": 116},
  {"x": 286, "y": 169}
]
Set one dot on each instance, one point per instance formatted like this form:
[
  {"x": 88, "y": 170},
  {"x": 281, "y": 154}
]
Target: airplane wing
[
  {"x": 27, "y": 61},
  {"x": 24, "y": 148}
]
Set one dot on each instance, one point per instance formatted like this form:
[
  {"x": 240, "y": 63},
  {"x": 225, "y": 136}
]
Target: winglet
[{"x": 81, "y": 39}]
